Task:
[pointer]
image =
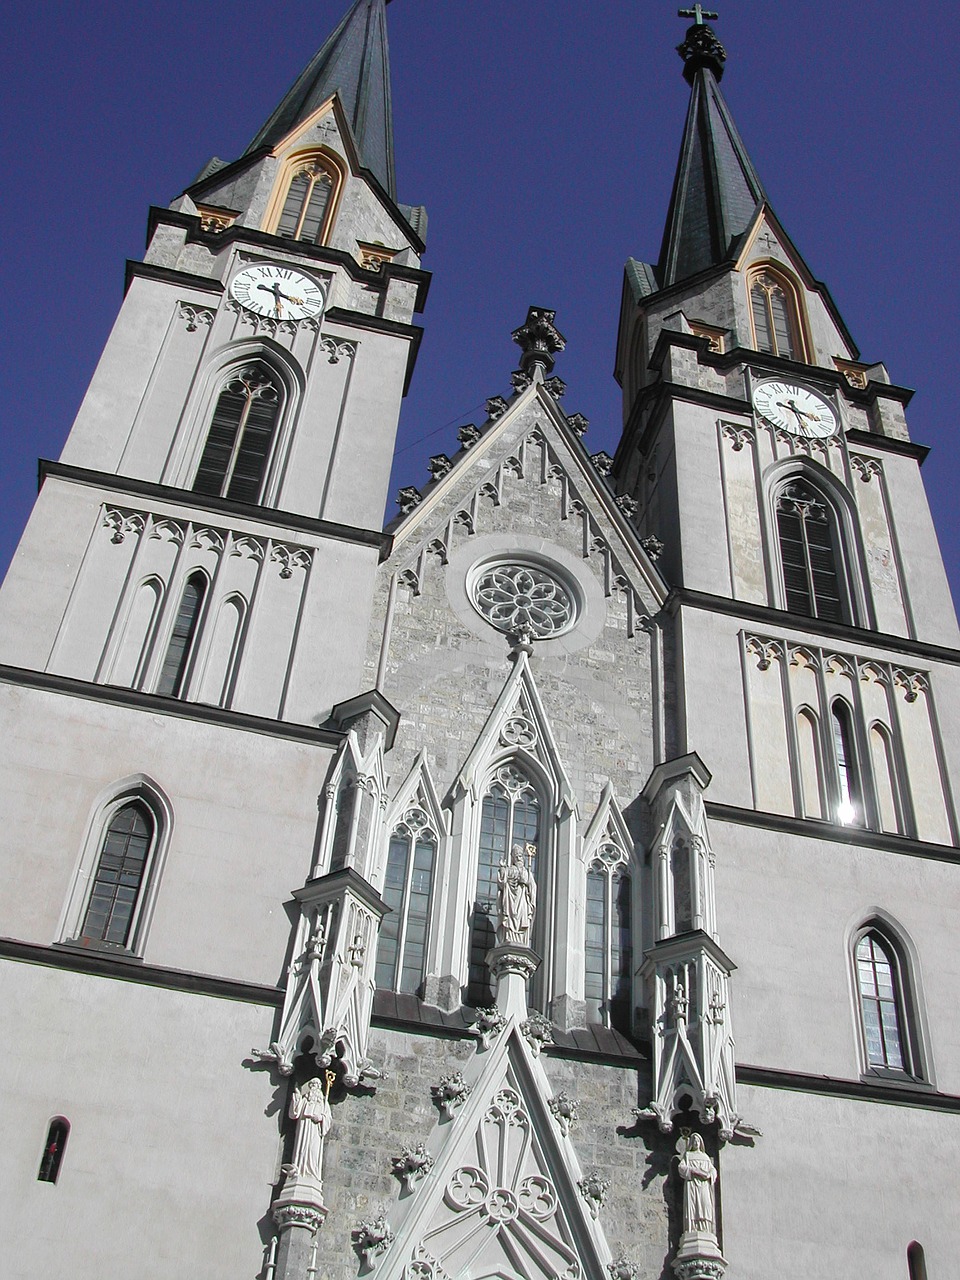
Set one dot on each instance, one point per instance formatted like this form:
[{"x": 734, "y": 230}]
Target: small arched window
[
  {"x": 176, "y": 660},
  {"x": 916, "y": 1263},
  {"x": 510, "y": 815},
  {"x": 885, "y": 778},
  {"x": 119, "y": 877},
  {"x": 238, "y": 446},
  {"x": 886, "y": 1042},
  {"x": 401, "y": 948},
  {"x": 775, "y": 315},
  {"x": 308, "y": 200},
  {"x": 608, "y": 949},
  {"x": 849, "y": 808},
  {"x": 53, "y": 1149},
  {"x": 810, "y": 552}
]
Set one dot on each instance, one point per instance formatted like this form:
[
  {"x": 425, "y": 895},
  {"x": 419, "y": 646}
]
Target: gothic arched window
[
  {"x": 53, "y": 1149},
  {"x": 240, "y": 440},
  {"x": 916, "y": 1263},
  {"x": 608, "y": 949},
  {"x": 308, "y": 199},
  {"x": 885, "y": 1040},
  {"x": 810, "y": 552},
  {"x": 401, "y": 947},
  {"x": 176, "y": 660},
  {"x": 849, "y": 810},
  {"x": 510, "y": 815},
  {"x": 775, "y": 315},
  {"x": 118, "y": 881}
]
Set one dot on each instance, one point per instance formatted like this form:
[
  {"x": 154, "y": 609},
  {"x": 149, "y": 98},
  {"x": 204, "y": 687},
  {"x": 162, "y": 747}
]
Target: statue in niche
[
  {"x": 516, "y": 896},
  {"x": 699, "y": 1174},
  {"x": 310, "y": 1107}
]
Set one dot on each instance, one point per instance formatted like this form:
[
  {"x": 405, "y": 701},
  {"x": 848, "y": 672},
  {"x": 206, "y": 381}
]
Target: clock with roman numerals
[
  {"x": 278, "y": 292},
  {"x": 795, "y": 409}
]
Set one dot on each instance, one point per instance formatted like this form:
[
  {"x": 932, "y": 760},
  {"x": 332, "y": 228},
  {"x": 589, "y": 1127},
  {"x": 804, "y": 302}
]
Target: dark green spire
[
  {"x": 355, "y": 63},
  {"x": 716, "y": 191}
]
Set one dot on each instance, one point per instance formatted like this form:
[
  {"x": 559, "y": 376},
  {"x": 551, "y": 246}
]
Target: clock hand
[{"x": 278, "y": 293}]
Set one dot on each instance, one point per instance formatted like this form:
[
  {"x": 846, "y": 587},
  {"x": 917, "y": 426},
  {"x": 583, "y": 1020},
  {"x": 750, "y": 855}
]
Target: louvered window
[
  {"x": 810, "y": 552},
  {"x": 119, "y": 876},
  {"x": 306, "y": 203},
  {"x": 775, "y": 323},
  {"x": 510, "y": 815},
  {"x": 401, "y": 947},
  {"x": 238, "y": 447},
  {"x": 179, "y": 647}
]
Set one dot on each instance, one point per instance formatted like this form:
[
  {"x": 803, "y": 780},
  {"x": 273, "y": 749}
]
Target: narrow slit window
[
  {"x": 119, "y": 877},
  {"x": 776, "y": 325},
  {"x": 608, "y": 946},
  {"x": 53, "y": 1150},
  {"x": 916, "y": 1262},
  {"x": 238, "y": 446},
  {"x": 177, "y": 658},
  {"x": 809, "y": 540},
  {"x": 849, "y": 793}
]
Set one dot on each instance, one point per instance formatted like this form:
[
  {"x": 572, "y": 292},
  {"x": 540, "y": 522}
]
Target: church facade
[{"x": 561, "y": 882}]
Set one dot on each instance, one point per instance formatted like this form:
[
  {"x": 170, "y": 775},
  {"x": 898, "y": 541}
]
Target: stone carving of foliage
[
  {"x": 537, "y": 1031},
  {"x": 372, "y": 1238},
  {"x": 412, "y": 1164},
  {"x": 594, "y": 1190},
  {"x": 487, "y": 1025},
  {"x": 565, "y": 1111},
  {"x": 450, "y": 1093}
]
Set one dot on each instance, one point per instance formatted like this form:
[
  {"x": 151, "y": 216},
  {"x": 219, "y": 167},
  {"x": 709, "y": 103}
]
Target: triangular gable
[
  {"x": 548, "y": 449},
  {"x": 608, "y": 832},
  {"x": 501, "y": 1195},
  {"x": 517, "y": 728},
  {"x": 418, "y": 789}
]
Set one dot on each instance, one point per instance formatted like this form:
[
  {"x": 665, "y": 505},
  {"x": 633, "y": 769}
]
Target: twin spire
[
  {"x": 355, "y": 63},
  {"x": 716, "y": 191}
]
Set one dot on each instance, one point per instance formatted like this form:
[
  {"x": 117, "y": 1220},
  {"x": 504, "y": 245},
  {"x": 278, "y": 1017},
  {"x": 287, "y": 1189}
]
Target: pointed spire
[
  {"x": 355, "y": 63},
  {"x": 716, "y": 191}
]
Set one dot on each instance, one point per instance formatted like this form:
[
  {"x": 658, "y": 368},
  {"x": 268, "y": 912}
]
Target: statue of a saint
[
  {"x": 310, "y": 1107},
  {"x": 516, "y": 898},
  {"x": 699, "y": 1174}
]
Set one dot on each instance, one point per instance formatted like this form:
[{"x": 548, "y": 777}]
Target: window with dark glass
[
  {"x": 849, "y": 791},
  {"x": 916, "y": 1263},
  {"x": 401, "y": 947},
  {"x": 235, "y": 457},
  {"x": 119, "y": 877},
  {"x": 608, "y": 948},
  {"x": 774, "y": 319},
  {"x": 881, "y": 1009},
  {"x": 810, "y": 552},
  {"x": 306, "y": 203},
  {"x": 53, "y": 1150},
  {"x": 510, "y": 815},
  {"x": 180, "y": 644}
]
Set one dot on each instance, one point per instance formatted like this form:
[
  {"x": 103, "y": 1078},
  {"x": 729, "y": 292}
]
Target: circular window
[{"x": 523, "y": 598}]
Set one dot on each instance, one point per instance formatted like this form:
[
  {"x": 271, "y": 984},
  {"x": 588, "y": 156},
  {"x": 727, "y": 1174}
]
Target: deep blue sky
[{"x": 541, "y": 135}]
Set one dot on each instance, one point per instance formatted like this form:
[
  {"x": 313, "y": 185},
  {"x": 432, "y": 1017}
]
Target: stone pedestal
[
  {"x": 512, "y": 965},
  {"x": 699, "y": 1257},
  {"x": 299, "y": 1213}
]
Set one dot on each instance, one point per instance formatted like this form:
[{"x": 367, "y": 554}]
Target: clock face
[
  {"x": 795, "y": 409},
  {"x": 278, "y": 292}
]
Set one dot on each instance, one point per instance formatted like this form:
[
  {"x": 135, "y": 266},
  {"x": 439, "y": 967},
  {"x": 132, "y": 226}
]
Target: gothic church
[{"x": 560, "y": 882}]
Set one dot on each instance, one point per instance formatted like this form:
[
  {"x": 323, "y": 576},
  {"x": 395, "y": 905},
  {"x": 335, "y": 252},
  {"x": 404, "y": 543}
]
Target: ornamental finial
[
  {"x": 539, "y": 339},
  {"x": 700, "y": 47}
]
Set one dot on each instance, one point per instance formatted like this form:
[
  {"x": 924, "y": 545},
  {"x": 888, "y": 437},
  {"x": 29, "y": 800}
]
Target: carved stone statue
[
  {"x": 310, "y": 1108},
  {"x": 516, "y": 898},
  {"x": 699, "y": 1174}
]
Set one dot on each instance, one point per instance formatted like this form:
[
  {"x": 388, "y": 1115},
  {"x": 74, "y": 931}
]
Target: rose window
[{"x": 524, "y": 599}]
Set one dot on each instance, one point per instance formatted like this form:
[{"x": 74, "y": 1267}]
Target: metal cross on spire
[{"x": 698, "y": 14}]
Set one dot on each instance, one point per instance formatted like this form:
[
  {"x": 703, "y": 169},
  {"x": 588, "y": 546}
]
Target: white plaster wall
[
  {"x": 173, "y": 1148},
  {"x": 838, "y": 1188},
  {"x": 244, "y": 825},
  {"x": 786, "y": 908}
]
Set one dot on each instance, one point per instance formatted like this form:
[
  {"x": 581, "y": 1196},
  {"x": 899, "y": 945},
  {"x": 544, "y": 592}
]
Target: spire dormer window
[
  {"x": 775, "y": 314},
  {"x": 304, "y": 200}
]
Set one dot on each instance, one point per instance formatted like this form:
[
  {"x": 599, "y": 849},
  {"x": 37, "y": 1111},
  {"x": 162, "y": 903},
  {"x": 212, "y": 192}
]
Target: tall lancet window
[
  {"x": 235, "y": 457},
  {"x": 118, "y": 880},
  {"x": 176, "y": 660},
  {"x": 809, "y": 536},
  {"x": 776, "y": 323},
  {"x": 401, "y": 948},
  {"x": 849, "y": 810},
  {"x": 306, "y": 203},
  {"x": 510, "y": 815},
  {"x": 608, "y": 949},
  {"x": 881, "y": 1004}
]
